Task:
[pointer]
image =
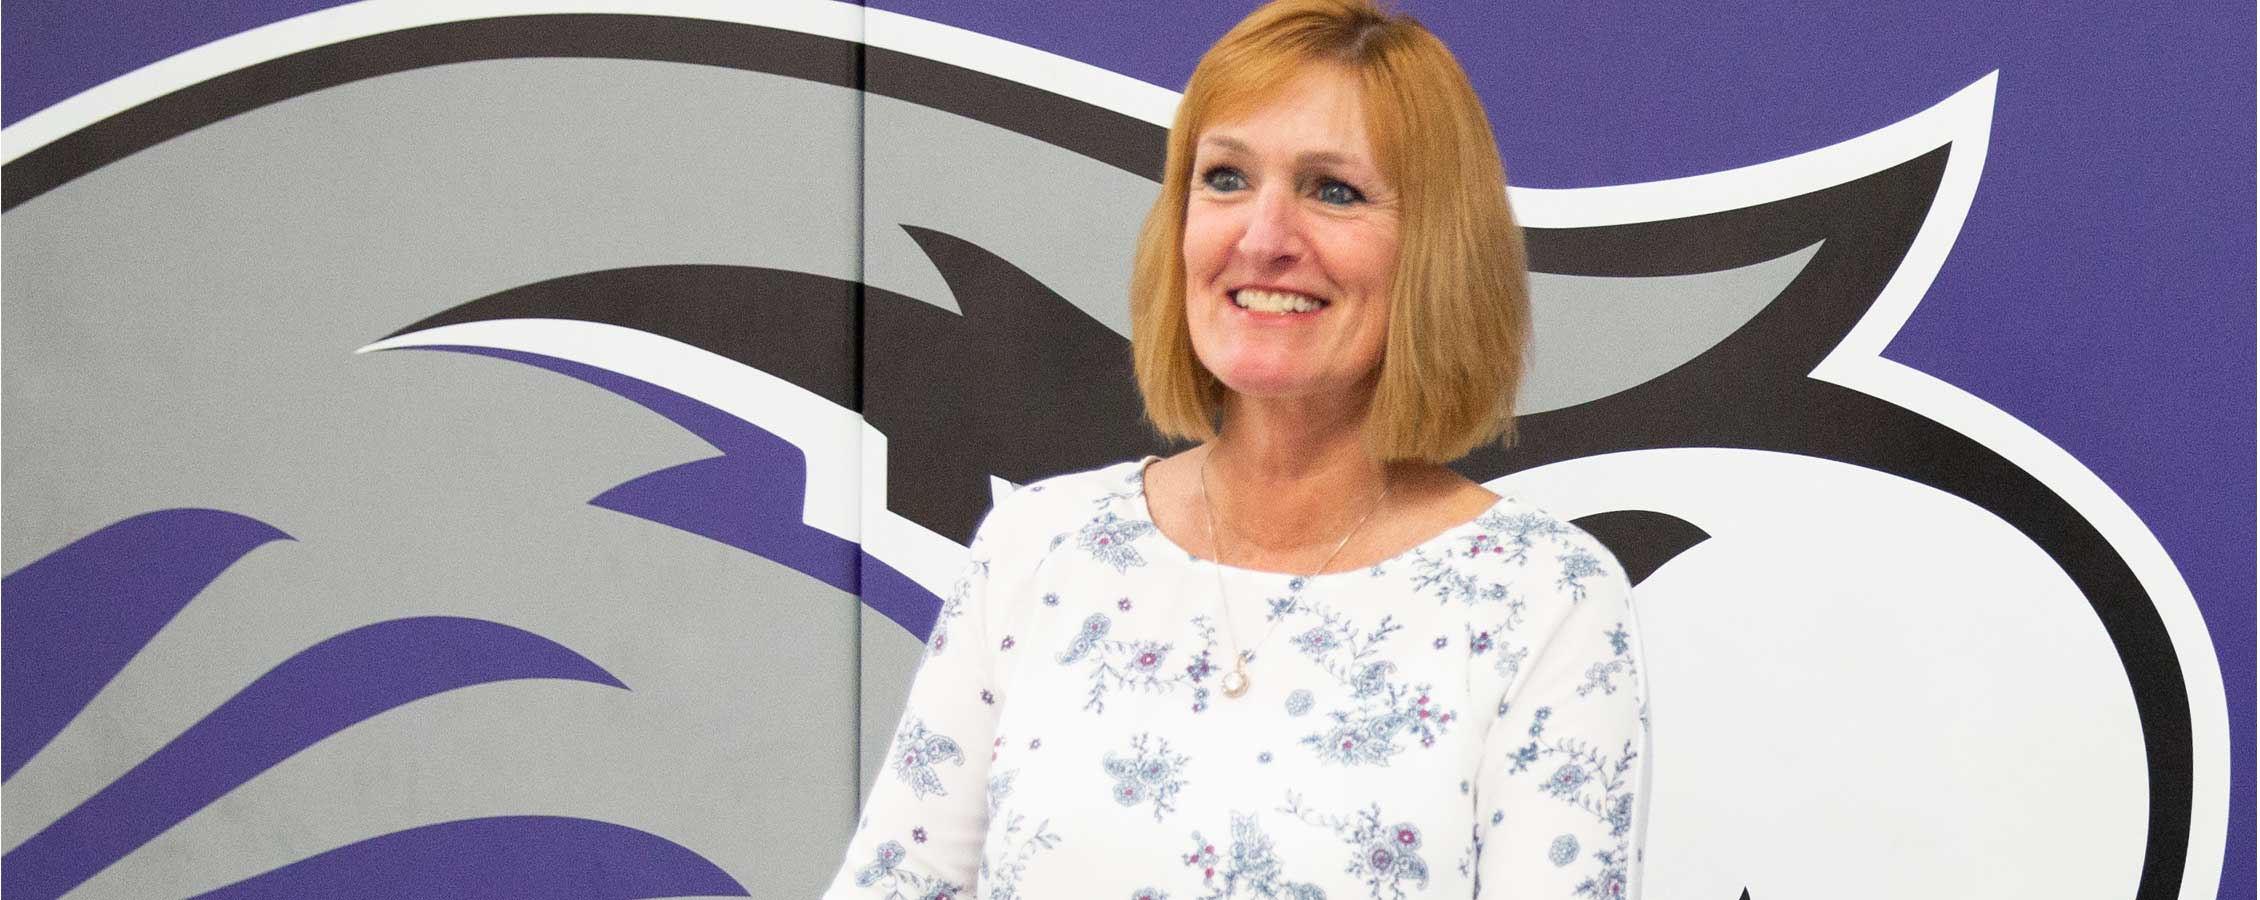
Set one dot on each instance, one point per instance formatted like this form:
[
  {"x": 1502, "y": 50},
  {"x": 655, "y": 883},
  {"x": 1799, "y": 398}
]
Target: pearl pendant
[{"x": 1235, "y": 683}]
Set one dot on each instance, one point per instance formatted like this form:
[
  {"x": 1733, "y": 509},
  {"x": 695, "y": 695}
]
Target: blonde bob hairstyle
[{"x": 1459, "y": 300}]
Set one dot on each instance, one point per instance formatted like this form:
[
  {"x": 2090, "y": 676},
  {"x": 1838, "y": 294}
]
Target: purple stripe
[
  {"x": 320, "y": 691},
  {"x": 501, "y": 858},
  {"x": 56, "y": 48},
  {"x": 897, "y": 597},
  {"x": 750, "y": 497},
  {"x": 73, "y": 618},
  {"x": 748, "y": 504}
]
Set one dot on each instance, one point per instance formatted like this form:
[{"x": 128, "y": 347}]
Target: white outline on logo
[{"x": 826, "y": 433}]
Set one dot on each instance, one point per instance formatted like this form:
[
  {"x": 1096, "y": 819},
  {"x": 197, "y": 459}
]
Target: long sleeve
[
  {"x": 1562, "y": 794},
  {"x": 926, "y": 814}
]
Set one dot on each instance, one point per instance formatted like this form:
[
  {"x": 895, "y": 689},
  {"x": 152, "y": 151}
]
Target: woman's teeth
[{"x": 1274, "y": 302}]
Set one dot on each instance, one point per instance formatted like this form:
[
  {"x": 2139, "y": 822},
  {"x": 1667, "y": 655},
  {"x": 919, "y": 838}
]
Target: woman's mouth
[{"x": 1262, "y": 301}]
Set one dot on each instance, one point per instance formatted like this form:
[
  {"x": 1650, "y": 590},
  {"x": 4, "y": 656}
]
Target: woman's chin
[{"x": 1283, "y": 386}]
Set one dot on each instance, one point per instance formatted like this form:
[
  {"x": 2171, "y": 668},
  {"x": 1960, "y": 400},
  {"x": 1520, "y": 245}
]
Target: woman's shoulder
[
  {"x": 1063, "y": 501},
  {"x": 1546, "y": 550},
  {"x": 1115, "y": 479}
]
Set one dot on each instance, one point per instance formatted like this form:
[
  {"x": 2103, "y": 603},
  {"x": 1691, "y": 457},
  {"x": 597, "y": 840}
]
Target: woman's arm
[
  {"x": 1562, "y": 789},
  {"x": 925, "y": 816}
]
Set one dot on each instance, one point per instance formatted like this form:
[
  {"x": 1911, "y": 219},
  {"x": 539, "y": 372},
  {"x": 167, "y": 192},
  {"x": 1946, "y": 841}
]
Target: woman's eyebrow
[
  {"x": 1227, "y": 144},
  {"x": 1306, "y": 158}
]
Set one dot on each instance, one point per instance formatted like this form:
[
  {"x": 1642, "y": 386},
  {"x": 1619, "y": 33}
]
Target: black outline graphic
[{"x": 1866, "y": 226}]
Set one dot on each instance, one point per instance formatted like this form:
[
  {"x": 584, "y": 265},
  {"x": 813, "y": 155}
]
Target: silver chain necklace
[{"x": 1235, "y": 682}]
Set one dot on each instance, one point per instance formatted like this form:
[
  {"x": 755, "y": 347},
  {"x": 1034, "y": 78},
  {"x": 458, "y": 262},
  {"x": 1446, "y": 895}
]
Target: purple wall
[{"x": 2101, "y": 291}]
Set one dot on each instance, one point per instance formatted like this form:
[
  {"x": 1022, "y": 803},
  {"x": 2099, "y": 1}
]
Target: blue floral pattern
[
  {"x": 1578, "y": 566},
  {"x": 1137, "y": 665},
  {"x": 1383, "y": 707},
  {"x": 917, "y": 753},
  {"x": 883, "y": 875},
  {"x": 1248, "y": 867},
  {"x": 1002, "y": 872},
  {"x": 952, "y": 607},
  {"x": 1084, "y": 648},
  {"x": 1000, "y": 789},
  {"x": 1298, "y": 702},
  {"x": 1595, "y": 783},
  {"x": 1386, "y": 858},
  {"x": 1149, "y": 773},
  {"x": 1602, "y": 676},
  {"x": 1111, "y": 540},
  {"x": 1564, "y": 850}
]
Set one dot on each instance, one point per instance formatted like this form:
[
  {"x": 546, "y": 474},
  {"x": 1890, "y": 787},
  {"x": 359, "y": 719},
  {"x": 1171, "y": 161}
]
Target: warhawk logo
[{"x": 877, "y": 264}]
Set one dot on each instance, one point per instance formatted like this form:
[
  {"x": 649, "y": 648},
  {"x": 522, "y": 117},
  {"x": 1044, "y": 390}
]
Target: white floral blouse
[{"x": 1467, "y": 716}]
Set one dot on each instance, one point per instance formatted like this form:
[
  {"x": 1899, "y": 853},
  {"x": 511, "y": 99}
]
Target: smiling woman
[
  {"x": 1290, "y": 236},
  {"x": 1329, "y": 297},
  {"x": 1376, "y": 128}
]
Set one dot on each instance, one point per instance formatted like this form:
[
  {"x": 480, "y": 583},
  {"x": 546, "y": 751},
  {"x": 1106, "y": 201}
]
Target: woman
[{"x": 1303, "y": 659}]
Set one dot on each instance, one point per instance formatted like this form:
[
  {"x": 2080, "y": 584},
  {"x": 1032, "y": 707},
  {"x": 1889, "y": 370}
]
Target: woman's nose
[{"x": 1273, "y": 233}]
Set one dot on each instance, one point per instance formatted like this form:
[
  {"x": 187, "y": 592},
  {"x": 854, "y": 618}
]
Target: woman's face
[{"x": 1290, "y": 242}]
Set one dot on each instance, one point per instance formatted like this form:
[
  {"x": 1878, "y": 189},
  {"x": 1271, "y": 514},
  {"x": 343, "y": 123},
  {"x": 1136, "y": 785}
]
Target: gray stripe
[{"x": 179, "y": 332}]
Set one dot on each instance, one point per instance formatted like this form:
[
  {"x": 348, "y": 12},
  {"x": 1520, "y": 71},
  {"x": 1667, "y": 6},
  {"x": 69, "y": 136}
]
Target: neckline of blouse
[{"x": 1139, "y": 509}]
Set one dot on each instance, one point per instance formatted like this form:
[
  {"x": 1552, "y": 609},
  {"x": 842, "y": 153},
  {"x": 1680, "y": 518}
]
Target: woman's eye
[
  {"x": 1224, "y": 178},
  {"x": 1338, "y": 194}
]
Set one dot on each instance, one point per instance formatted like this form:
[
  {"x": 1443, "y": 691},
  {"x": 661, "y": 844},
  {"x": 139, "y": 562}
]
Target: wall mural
[{"x": 445, "y": 450}]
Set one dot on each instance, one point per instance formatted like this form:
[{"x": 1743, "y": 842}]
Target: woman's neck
[{"x": 1284, "y": 478}]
